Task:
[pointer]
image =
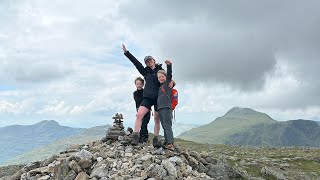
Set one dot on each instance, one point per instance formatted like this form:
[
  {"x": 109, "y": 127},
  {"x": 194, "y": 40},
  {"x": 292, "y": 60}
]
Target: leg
[
  {"x": 144, "y": 128},
  {"x": 142, "y": 111},
  {"x": 156, "y": 123},
  {"x": 160, "y": 112},
  {"x": 167, "y": 125}
]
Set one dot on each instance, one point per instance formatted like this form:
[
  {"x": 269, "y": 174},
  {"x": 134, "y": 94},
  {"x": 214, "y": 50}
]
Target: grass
[{"x": 298, "y": 161}]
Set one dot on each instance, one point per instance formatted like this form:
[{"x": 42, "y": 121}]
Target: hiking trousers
[
  {"x": 165, "y": 115},
  {"x": 144, "y": 126}
]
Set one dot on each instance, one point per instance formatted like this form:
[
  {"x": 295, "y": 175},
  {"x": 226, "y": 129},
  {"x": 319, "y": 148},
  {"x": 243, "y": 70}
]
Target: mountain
[
  {"x": 235, "y": 120},
  {"x": 43, "y": 152},
  {"x": 289, "y": 133},
  {"x": 20, "y": 139}
]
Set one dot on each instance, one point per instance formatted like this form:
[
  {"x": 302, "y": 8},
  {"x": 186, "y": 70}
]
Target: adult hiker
[{"x": 150, "y": 94}]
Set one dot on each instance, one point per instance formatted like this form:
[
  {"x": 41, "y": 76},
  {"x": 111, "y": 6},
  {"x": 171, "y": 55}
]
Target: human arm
[
  {"x": 169, "y": 71},
  {"x": 134, "y": 60}
]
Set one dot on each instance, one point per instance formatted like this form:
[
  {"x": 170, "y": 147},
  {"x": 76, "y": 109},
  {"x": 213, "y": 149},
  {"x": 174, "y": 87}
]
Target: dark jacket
[
  {"x": 165, "y": 92},
  {"x": 152, "y": 84},
  {"x": 138, "y": 97}
]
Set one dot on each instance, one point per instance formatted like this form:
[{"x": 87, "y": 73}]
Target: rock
[
  {"x": 211, "y": 160},
  {"x": 17, "y": 175},
  {"x": 99, "y": 159},
  {"x": 269, "y": 171},
  {"x": 128, "y": 154},
  {"x": 217, "y": 171},
  {"x": 42, "y": 170},
  {"x": 48, "y": 161},
  {"x": 71, "y": 175},
  {"x": 284, "y": 166},
  {"x": 46, "y": 177},
  {"x": 193, "y": 163},
  {"x": 85, "y": 163},
  {"x": 316, "y": 159},
  {"x": 156, "y": 171},
  {"x": 176, "y": 160},
  {"x": 202, "y": 168},
  {"x": 30, "y": 166},
  {"x": 82, "y": 176},
  {"x": 196, "y": 155},
  {"x": 74, "y": 166},
  {"x": 84, "y": 154},
  {"x": 100, "y": 171},
  {"x": 61, "y": 170},
  {"x": 170, "y": 168}
]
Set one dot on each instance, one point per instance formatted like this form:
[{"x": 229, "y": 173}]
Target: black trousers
[{"x": 144, "y": 126}]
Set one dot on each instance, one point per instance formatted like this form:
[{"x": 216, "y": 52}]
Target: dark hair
[{"x": 139, "y": 79}]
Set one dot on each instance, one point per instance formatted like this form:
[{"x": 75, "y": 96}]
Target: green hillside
[
  {"x": 288, "y": 133},
  {"x": 88, "y": 135},
  {"x": 235, "y": 120}
]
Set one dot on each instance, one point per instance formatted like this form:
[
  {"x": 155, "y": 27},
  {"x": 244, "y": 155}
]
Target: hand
[
  {"x": 168, "y": 62},
  {"x": 124, "y": 48}
]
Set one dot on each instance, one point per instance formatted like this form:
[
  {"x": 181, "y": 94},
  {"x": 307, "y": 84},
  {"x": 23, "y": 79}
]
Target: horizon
[{"x": 151, "y": 123}]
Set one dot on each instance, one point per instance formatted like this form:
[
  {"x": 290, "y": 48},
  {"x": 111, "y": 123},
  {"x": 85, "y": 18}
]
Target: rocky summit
[
  {"x": 101, "y": 160},
  {"x": 112, "y": 158}
]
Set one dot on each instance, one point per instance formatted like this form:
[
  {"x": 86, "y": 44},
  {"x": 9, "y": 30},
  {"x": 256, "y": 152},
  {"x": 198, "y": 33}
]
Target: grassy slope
[
  {"x": 300, "y": 161},
  {"x": 217, "y": 131}
]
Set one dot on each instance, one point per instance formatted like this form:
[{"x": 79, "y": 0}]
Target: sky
[{"x": 62, "y": 60}]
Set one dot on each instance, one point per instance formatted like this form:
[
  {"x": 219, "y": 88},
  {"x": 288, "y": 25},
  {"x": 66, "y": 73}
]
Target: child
[
  {"x": 138, "y": 97},
  {"x": 164, "y": 104}
]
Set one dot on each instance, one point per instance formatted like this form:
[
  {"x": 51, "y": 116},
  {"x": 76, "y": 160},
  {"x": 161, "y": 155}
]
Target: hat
[{"x": 147, "y": 58}]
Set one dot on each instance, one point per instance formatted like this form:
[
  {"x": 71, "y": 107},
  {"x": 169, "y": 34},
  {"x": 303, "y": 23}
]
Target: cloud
[
  {"x": 237, "y": 43},
  {"x": 62, "y": 60}
]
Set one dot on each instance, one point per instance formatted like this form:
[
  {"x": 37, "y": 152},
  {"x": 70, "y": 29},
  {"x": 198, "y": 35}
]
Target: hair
[
  {"x": 162, "y": 72},
  {"x": 139, "y": 79},
  {"x": 174, "y": 83}
]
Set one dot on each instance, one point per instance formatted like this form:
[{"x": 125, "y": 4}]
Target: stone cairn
[{"x": 117, "y": 132}]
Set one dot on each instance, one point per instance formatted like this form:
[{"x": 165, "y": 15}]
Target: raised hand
[
  {"x": 124, "y": 48},
  {"x": 168, "y": 62}
]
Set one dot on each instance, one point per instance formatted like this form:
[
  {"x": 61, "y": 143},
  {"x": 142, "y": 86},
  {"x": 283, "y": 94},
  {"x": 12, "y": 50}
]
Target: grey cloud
[{"x": 229, "y": 42}]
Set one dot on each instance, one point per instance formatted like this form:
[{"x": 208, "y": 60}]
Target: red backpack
[{"x": 174, "y": 97}]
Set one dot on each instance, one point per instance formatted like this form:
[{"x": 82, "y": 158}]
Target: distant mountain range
[
  {"x": 18, "y": 139},
  {"x": 244, "y": 126},
  {"x": 43, "y": 152},
  {"x": 22, "y": 144},
  {"x": 288, "y": 133}
]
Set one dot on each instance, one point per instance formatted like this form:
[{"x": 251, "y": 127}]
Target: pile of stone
[
  {"x": 117, "y": 132},
  {"x": 112, "y": 159}
]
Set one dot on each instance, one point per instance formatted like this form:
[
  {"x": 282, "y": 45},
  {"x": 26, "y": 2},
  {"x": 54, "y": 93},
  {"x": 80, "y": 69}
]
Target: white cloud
[{"x": 62, "y": 60}]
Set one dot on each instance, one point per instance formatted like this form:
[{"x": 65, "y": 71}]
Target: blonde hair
[{"x": 162, "y": 72}]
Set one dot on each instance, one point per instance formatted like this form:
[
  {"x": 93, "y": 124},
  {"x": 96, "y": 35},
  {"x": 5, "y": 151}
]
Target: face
[
  {"x": 161, "y": 78},
  {"x": 150, "y": 62},
  {"x": 139, "y": 84}
]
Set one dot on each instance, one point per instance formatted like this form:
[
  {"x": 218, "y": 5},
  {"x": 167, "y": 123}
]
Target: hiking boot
[
  {"x": 155, "y": 142},
  {"x": 143, "y": 139},
  {"x": 170, "y": 147},
  {"x": 135, "y": 140}
]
